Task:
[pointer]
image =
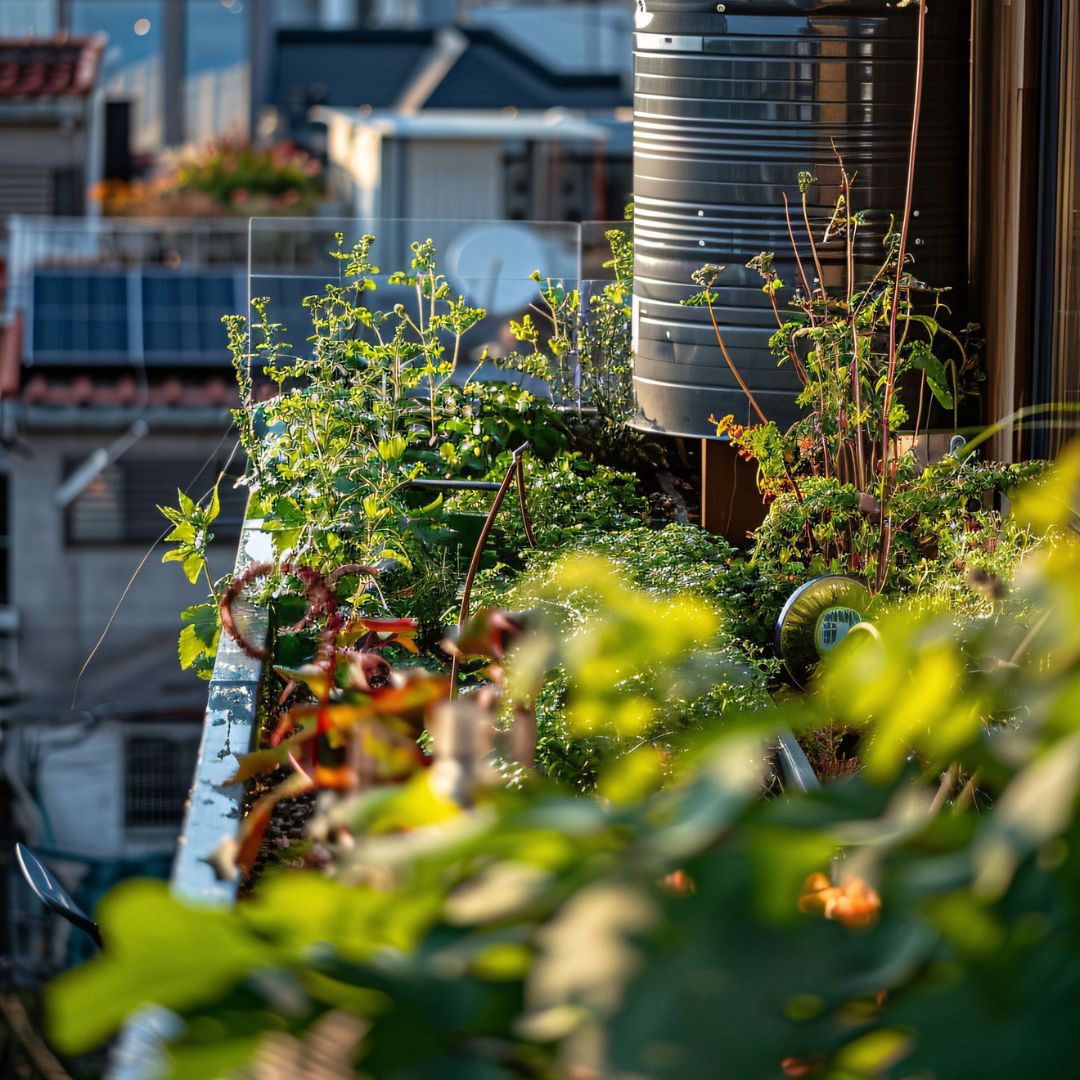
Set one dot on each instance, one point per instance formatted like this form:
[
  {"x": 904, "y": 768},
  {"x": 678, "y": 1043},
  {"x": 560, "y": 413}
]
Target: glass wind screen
[{"x": 490, "y": 263}]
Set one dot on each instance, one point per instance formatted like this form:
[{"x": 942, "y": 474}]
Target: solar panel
[
  {"x": 79, "y": 313},
  {"x": 182, "y": 315},
  {"x": 154, "y": 316}
]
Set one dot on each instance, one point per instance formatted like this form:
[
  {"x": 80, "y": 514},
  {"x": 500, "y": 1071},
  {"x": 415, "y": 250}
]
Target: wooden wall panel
[
  {"x": 1005, "y": 141},
  {"x": 1065, "y": 340}
]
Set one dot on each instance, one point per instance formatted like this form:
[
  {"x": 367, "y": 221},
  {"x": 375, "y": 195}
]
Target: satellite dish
[
  {"x": 816, "y": 618},
  {"x": 491, "y": 264},
  {"x": 52, "y": 894}
]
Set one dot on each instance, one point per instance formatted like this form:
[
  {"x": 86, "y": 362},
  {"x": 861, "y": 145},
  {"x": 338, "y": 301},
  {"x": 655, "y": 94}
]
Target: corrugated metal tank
[{"x": 733, "y": 101}]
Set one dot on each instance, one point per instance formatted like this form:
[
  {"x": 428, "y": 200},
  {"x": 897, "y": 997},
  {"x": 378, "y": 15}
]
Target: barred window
[
  {"x": 157, "y": 776},
  {"x": 121, "y": 504}
]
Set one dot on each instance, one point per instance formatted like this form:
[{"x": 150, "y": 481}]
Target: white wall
[
  {"x": 451, "y": 180},
  {"x": 80, "y": 786}
]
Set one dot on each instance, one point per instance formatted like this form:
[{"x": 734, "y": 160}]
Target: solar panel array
[{"x": 155, "y": 316}]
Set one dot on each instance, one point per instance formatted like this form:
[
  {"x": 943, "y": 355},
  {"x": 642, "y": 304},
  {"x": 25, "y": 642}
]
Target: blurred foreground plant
[{"x": 657, "y": 931}]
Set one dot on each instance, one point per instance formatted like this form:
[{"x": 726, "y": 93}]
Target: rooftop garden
[
  {"x": 522, "y": 845},
  {"x": 516, "y": 805}
]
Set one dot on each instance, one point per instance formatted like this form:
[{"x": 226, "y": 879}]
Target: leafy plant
[
  {"x": 683, "y": 922},
  {"x": 374, "y": 402},
  {"x": 226, "y": 176},
  {"x": 945, "y": 527},
  {"x": 582, "y": 345},
  {"x": 852, "y": 351},
  {"x": 568, "y": 498},
  {"x": 678, "y": 561}
]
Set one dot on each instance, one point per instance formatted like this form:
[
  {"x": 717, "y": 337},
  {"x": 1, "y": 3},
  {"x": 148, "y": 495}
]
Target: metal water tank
[{"x": 732, "y": 101}]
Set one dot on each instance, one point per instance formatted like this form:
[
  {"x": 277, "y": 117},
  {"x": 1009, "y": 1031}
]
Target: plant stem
[
  {"x": 901, "y": 256},
  {"x": 814, "y": 252},
  {"x": 730, "y": 363},
  {"x": 512, "y": 474},
  {"x": 798, "y": 260},
  {"x": 209, "y": 581},
  {"x": 856, "y": 374}
]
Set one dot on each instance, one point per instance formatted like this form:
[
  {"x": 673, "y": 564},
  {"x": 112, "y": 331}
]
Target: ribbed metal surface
[{"x": 729, "y": 108}]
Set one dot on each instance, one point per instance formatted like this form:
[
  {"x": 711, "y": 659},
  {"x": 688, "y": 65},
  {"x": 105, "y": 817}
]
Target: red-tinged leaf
[
  {"x": 366, "y": 672},
  {"x": 390, "y": 626},
  {"x": 387, "y": 629},
  {"x": 259, "y": 762},
  {"x": 339, "y": 778},
  {"x": 253, "y": 827},
  {"x": 403, "y": 707},
  {"x": 313, "y": 676},
  {"x": 284, "y": 726},
  {"x": 323, "y": 721},
  {"x": 489, "y": 634},
  {"x": 392, "y": 755},
  {"x": 335, "y": 718},
  {"x": 412, "y": 697}
]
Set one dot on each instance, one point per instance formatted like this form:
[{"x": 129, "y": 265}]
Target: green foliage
[
  {"x": 864, "y": 352},
  {"x": 191, "y": 532},
  {"x": 682, "y": 924},
  {"x": 666, "y": 564},
  {"x": 369, "y": 409},
  {"x": 944, "y": 528},
  {"x": 232, "y": 172},
  {"x": 582, "y": 346},
  {"x": 377, "y": 399},
  {"x": 199, "y": 638},
  {"x": 568, "y": 498}
]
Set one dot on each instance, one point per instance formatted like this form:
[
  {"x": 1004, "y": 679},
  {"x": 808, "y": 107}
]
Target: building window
[
  {"x": 157, "y": 778},
  {"x": 121, "y": 505}
]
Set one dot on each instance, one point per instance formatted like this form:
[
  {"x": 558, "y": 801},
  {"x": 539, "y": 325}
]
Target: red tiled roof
[
  {"x": 37, "y": 68},
  {"x": 82, "y": 390}
]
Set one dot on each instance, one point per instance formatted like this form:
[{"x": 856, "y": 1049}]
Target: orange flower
[
  {"x": 794, "y": 1066},
  {"x": 854, "y": 904},
  {"x": 679, "y": 883}
]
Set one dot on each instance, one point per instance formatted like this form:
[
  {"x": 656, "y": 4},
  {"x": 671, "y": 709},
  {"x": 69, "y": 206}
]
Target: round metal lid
[{"x": 816, "y": 618}]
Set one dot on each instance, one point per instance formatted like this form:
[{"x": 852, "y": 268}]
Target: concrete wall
[
  {"x": 51, "y": 144},
  {"x": 65, "y": 593}
]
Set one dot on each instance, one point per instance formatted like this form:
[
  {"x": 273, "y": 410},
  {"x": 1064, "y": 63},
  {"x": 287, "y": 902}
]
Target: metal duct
[{"x": 732, "y": 102}]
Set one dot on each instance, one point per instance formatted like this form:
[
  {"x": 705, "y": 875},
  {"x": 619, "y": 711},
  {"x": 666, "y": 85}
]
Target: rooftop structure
[{"x": 34, "y": 69}]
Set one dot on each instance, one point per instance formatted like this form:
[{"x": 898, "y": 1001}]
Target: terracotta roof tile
[
  {"x": 32, "y": 68},
  {"x": 59, "y": 391}
]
